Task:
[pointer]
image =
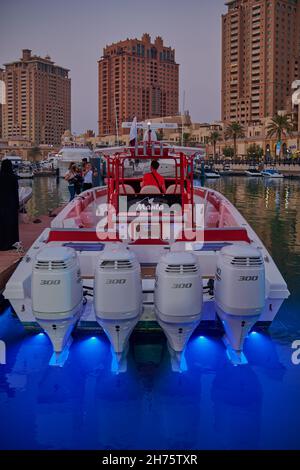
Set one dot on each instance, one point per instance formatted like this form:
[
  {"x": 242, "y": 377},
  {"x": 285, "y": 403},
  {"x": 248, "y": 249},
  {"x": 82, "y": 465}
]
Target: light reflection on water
[
  {"x": 212, "y": 406},
  {"x": 47, "y": 194}
]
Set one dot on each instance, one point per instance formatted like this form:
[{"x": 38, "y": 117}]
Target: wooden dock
[{"x": 29, "y": 229}]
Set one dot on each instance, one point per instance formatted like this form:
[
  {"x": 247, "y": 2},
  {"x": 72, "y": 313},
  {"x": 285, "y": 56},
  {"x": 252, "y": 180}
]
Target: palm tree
[
  {"x": 279, "y": 126},
  {"x": 214, "y": 137},
  {"x": 234, "y": 131},
  {"x": 228, "y": 152},
  {"x": 254, "y": 151},
  {"x": 34, "y": 153},
  {"x": 160, "y": 134},
  {"x": 186, "y": 138}
]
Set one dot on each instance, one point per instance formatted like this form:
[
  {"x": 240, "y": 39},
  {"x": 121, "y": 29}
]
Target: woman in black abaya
[{"x": 9, "y": 206}]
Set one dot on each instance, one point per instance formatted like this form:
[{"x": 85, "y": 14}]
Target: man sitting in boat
[{"x": 154, "y": 178}]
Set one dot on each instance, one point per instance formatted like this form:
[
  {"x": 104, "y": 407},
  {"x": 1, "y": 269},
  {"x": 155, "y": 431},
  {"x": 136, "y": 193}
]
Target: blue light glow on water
[{"x": 213, "y": 405}]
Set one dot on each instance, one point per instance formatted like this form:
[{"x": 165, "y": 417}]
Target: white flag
[{"x": 133, "y": 132}]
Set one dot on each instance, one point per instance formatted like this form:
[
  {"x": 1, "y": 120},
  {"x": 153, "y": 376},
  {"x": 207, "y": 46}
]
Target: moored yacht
[
  {"x": 25, "y": 193},
  {"x": 253, "y": 171},
  {"x": 122, "y": 254},
  {"x": 210, "y": 172},
  {"x": 271, "y": 173},
  {"x": 25, "y": 171},
  {"x": 67, "y": 155}
]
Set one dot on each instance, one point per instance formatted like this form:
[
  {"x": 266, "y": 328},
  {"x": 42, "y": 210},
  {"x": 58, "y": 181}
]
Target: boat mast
[
  {"x": 182, "y": 117},
  {"x": 117, "y": 125}
]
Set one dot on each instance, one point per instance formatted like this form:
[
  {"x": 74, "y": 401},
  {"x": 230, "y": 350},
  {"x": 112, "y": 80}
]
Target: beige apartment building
[
  {"x": 136, "y": 78},
  {"x": 260, "y": 57},
  {"x": 37, "y": 100}
]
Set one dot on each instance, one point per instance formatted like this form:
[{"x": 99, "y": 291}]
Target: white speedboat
[
  {"x": 253, "y": 172},
  {"x": 67, "y": 155},
  {"x": 25, "y": 193},
  {"x": 15, "y": 160},
  {"x": 226, "y": 171},
  {"x": 271, "y": 173},
  {"x": 119, "y": 255},
  {"x": 211, "y": 173},
  {"x": 25, "y": 171}
]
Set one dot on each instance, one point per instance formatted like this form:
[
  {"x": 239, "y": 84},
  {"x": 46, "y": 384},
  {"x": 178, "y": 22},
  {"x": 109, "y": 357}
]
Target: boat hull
[{"x": 223, "y": 225}]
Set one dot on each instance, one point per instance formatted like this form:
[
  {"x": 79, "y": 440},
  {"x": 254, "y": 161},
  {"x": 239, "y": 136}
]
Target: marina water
[{"x": 213, "y": 405}]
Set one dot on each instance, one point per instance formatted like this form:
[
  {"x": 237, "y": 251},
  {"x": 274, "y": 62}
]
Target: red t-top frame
[{"x": 151, "y": 151}]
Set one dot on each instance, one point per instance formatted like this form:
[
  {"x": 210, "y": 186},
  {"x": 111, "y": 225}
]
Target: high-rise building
[
  {"x": 136, "y": 78},
  {"x": 260, "y": 57},
  {"x": 37, "y": 99}
]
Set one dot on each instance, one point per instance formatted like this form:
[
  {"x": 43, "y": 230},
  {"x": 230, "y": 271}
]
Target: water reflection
[
  {"x": 237, "y": 397},
  {"x": 47, "y": 194},
  {"x": 272, "y": 207},
  {"x": 84, "y": 405}
]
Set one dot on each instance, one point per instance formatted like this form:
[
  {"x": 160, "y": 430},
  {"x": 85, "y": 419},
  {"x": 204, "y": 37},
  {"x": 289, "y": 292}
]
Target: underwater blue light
[
  {"x": 202, "y": 340},
  {"x": 41, "y": 334},
  {"x": 254, "y": 333},
  {"x": 91, "y": 342}
]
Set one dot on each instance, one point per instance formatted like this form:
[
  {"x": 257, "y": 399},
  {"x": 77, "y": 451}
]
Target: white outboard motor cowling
[
  {"x": 57, "y": 293},
  {"x": 178, "y": 297},
  {"x": 118, "y": 297},
  {"x": 239, "y": 291}
]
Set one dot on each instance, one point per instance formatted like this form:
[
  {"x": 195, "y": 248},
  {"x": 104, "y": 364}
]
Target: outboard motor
[
  {"x": 118, "y": 298},
  {"x": 239, "y": 294},
  {"x": 178, "y": 299},
  {"x": 57, "y": 293}
]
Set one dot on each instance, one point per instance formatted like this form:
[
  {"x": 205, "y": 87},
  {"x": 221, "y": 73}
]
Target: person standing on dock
[
  {"x": 87, "y": 177},
  {"x": 84, "y": 163},
  {"x": 78, "y": 180},
  {"x": 70, "y": 178},
  {"x": 9, "y": 207}
]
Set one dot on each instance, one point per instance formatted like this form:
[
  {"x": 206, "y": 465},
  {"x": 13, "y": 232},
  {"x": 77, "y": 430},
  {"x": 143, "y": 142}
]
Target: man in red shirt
[{"x": 154, "y": 178}]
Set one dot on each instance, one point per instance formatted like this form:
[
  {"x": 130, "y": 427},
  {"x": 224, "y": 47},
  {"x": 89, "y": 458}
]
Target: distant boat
[
  {"x": 25, "y": 171},
  {"x": 271, "y": 173},
  {"x": 72, "y": 154},
  {"x": 253, "y": 172},
  {"x": 211, "y": 173},
  {"x": 15, "y": 160},
  {"x": 226, "y": 171},
  {"x": 49, "y": 164},
  {"x": 25, "y": 193}
]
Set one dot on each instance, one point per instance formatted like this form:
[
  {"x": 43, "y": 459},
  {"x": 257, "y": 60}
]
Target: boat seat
[
  {"x": 173, "y": 189},
  {"x": 213, "y": 219},
  {"x": 126, "y": 189},
  {"x": 72, "y": 222},
  {"x": 88, "y": 219},
  {"x": 150, "y": 190}
]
